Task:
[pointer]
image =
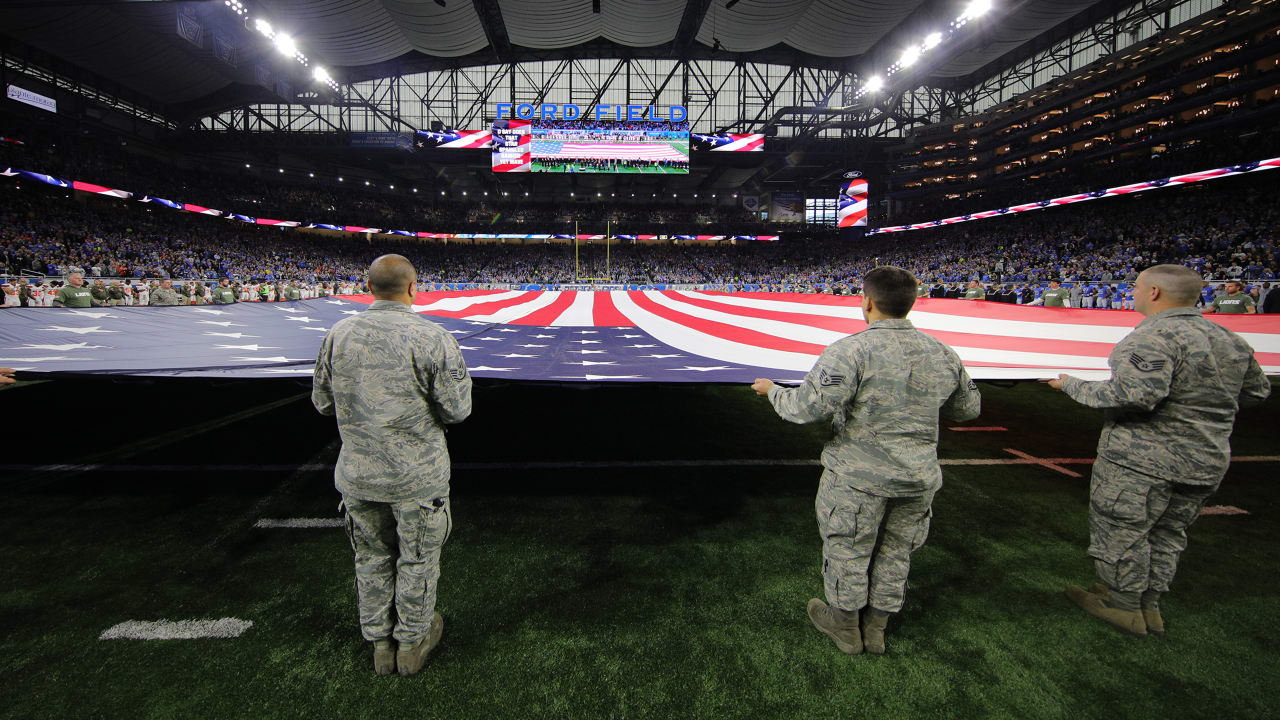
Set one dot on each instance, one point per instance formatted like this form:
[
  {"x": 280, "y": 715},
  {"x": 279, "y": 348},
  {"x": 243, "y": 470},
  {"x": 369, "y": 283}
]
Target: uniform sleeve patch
[
  {"x": 1144, "y": 365},
  {"x": 458, "y": 374},
  {"x": 826, "y": 379}
]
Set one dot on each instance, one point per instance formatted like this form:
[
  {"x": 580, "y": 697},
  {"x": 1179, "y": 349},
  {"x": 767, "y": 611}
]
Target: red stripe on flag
[
  {"x": 548, "y": 314},
  {"x": 605, "y": 314},
  {"x": 825, "y": 322},
  {"x": 725, "y": 331}
]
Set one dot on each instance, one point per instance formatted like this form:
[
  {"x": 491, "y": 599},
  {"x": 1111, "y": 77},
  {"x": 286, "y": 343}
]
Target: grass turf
[{"x": 591, "y": 593}]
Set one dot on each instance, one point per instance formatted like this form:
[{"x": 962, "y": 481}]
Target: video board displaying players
[{"x": 603, "y": 146}]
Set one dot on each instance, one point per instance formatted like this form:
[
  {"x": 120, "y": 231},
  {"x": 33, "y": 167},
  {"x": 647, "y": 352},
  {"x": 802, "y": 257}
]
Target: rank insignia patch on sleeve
[
  {"x": 1145, "y": 365},
  {"x": 827, "y": 379}
]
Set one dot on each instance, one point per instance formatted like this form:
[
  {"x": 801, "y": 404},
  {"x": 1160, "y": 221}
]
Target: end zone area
[{"x": 617, "y": 552}]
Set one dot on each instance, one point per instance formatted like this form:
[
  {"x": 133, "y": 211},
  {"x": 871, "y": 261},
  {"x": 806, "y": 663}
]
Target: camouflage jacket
[
  {"x": 883, "y": 389},
  {"x": 394, "y": 379},
  {"x": 164, "y": 296},
  {"x": 1176, "y": 384}
]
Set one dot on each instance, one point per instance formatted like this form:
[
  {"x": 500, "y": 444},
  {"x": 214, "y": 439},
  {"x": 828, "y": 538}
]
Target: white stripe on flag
[
  {"x": 692, "y": 341},
  {"x": 461, "y": 303},
  {"x": 176, "y": 629},
  {"x": 580, "y": 312},
  {"x": 839, "y": 311},
  {"x": 515, "y": 312},
  {"x": 776, "y": 328}
]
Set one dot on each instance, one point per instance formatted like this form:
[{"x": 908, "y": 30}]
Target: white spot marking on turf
[
  {"x": 1043, "y": 462},
  {"x": 298, "y": 523},
  {"x": 993, "y": 428},
  {"x": 176, "y": 629},
  {"x": 1223, "y": 510}
]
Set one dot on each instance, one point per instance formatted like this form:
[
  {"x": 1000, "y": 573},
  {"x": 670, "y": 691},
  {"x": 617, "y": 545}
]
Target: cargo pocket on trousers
[
  {"x": 437, "y": 522},
  {"x": 922, "y": 530},
  {"x": 1119, "y": 504},
  {"x": 348, "y": 524}
]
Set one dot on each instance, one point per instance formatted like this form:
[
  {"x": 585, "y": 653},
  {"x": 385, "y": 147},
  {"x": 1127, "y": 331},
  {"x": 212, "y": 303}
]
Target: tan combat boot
[
  {"x": 873, "y": 625},
  {"x": 410, "y": 660},
  {"x": 1150, "y": 608},
  {"x": 1126, "y": 621},
  {"x": 839, "y": 625},
  {"x": 384, "y": 656}
]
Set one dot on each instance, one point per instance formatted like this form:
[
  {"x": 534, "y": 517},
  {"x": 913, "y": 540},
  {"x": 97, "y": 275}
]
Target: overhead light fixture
[
  {"x": 909, "y": 57},
  {"x": 263, "y": 27},
  {"x": 286, "y": 45},
  {"x": 976, "y": 9},
  {"x": 874, "y": 83},
  {"x": 931, "y": 40},
  {"x": 339, "y": 178},
  {"x": 320, "y": 74}
]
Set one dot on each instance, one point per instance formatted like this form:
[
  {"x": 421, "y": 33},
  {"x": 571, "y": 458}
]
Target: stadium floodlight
[
  {"x": 311, "y": 174},
  {"x": 263, "y": 27},
  {"x": 246, "y": 164},
  {"x": 526, "y": 193},
  {"x": 909, "y": 57},
  {"x": 280, "y": 169},
  {"x": 932, "y": 40},
  {"x": 320, "y": 74},
  {"x": 976, "y": 9},
  {"x": 464, "y": 192},
  {"x": 391, "y": 187},
  {"x": 366, "y": 182},
  {"x": 415, "y": 189},
  {"x": 339, "y": 178},
  {"x": 286, "y": 45},
  {"x": 874, "y": 83},
  {"x": 441, "y": 192}
]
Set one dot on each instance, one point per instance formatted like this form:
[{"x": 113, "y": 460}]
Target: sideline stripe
[
  {"x": 993, "y": 428},
  {"x": 176, "y": 629},
  {"x": 567, "y": 465},
  {"x": 298, "y": 523}
]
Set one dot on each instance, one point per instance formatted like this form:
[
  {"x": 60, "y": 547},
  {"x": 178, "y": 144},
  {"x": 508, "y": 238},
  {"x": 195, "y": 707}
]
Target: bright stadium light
[
  {"x": 286, "y": 45},
  {"x": 280, "y": 169},
  {"x": 909, "y": 57},
  {"x": 931, "y": 40},
  {"x": 339, "y": 179},
  {"x": 874, "y": 83},
  {"x": 366, "y": 182},
  {"x": 415, "y": 189},
  {"x": 246, "y": 164},
  {"x": 320, "y": 74},
  {"x": 391, "y": 187},
  {"x": 311, "y": 174},
  {"x": 263, "y": 27},
  {"x": 975, "y": 9}
]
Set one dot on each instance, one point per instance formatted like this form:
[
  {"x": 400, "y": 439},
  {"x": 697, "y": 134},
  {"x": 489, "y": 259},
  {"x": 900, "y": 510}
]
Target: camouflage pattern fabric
[
  {"x": 394, "y": 379},
  {"x": 1138, "y": 526},
  {"x": 397, "y": 550},
  {"x": 883, "y": 390},
  {"x": 849, "y": 522},
  {"x": 165, "y": 296},
  {"x": 1176, "y": 384}
]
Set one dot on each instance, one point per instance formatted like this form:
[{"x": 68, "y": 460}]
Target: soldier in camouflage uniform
[
  {"x": 883, "y": 390},
  {"x": 394, "y": 379},
  {"x": 165, "y": 294},
  {"x": 1176, "y": 384},
  {"x": 115, "y": 294}
]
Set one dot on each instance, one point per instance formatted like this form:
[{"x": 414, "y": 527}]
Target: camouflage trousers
[
  {"x": 397, "y": 548},
  {"x": 1138, "y": 526},
  {"x": 867, "y": 541}
]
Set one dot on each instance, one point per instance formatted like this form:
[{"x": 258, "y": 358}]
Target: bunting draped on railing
[
  {"x": 200, "y": 209},
  {"x": 1195, "y": 177}
]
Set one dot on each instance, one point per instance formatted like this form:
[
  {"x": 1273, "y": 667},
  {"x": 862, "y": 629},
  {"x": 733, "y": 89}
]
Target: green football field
[{"x": 617, "y": 553}]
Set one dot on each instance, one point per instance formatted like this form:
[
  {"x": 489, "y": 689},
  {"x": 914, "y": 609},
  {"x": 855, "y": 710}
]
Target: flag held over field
[{"x": 572, "y": 336}]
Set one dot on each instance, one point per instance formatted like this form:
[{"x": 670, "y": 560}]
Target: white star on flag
[
  {"x": 63, "y": 348},
  {"x": 539, "y": 337},
  {"x": 490, "y": 339},
  {"x": 513, "y": 355},
  {"x": 587, "y": 342},
  {"x": 486, "y": 368},
  {"x": 508, "y": 330},
  {"x": 592, "y": 362},
  {"x": 530, "y": 346},
  {"x": 703, "y": 369},
  {"x": 277, "y": 358},
  {"x": 589, "y": 352},
  {"x": 303, "y": 319},
  {"x": 660, "y": 357},
  {"x": 350, "y": 312},
  {"x": 207, "y": 311},
  {"x": 308, "y": 327},
  {"x": 288, "y": 310},
  {"x": 237, "y": 336},
  {"x": 91, "y": 314},
  {"x": 224, "y": 323},
  {"x": 599, "y": 377},
  {"x": 642, "y": 346},
  {"x": 586, "y": 332},
  {"x": 254, "y": 348},
  {"x": 79, "y": 331}
]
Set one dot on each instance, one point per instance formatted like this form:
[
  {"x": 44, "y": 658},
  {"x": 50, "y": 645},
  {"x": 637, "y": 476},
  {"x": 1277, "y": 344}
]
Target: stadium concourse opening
[{"x": 562, "y": 326}]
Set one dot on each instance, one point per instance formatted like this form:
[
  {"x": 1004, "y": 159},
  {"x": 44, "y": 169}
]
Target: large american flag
[{"x": 579, "y": 336}]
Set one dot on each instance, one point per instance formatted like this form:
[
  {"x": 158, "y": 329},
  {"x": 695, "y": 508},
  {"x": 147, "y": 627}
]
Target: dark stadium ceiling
[{"x": 133, "y": 42}]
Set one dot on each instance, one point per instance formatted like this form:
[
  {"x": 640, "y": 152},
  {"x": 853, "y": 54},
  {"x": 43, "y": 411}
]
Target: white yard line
[
  {"x": 176, "y": 629},
  {"x": 993, "y": 428},
  {"x": 298, "y": 523}
]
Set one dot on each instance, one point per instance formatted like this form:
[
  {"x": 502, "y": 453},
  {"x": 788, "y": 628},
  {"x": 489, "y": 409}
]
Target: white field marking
[
  {"x": 1043, "y": 462},
  {"x": 176, "y": 629},
  {"x": 993, "y": 428},
  {"x": 1223, "y": 510},
  {"x": 559, "y": 465},
  {"x": 298, "y": 523}
]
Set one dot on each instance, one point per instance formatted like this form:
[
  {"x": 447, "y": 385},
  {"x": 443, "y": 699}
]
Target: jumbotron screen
[{"x": 600, "y": 146}]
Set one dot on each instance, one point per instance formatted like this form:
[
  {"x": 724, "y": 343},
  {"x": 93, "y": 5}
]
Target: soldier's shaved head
[
  {"x": 391, "y": 276},
  {"x": 1178, "y": 285},
  {"x": 892, "y": 290}
]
